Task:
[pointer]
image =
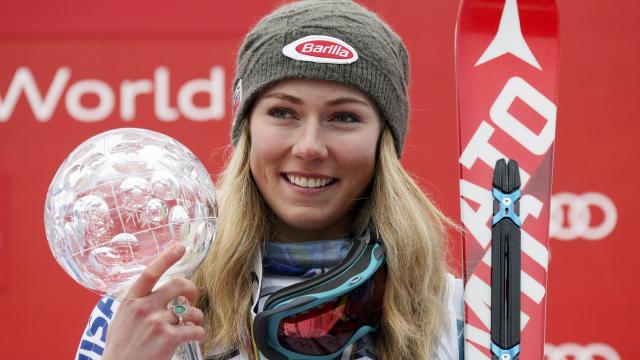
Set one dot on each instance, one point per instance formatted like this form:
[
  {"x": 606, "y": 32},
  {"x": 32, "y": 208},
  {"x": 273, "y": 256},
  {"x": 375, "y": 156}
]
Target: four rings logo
[
  {"x": 580, "y": 352},
  {"x": 572, "y": 216}
]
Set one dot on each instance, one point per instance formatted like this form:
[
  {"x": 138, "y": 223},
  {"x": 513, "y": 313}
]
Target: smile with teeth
[{"x": 308, "y": 182}]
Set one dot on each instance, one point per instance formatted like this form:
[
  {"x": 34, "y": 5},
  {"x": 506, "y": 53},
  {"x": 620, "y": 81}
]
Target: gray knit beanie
[{"x": 333, "y": 40}]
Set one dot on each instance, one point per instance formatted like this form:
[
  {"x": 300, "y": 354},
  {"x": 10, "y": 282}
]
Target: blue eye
[{"x": 346, "y": 117}]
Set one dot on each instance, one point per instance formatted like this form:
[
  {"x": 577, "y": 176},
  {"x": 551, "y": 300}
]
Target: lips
[{"x": 309, "y": 181}]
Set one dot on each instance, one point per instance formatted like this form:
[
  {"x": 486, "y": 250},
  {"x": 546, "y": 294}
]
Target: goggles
[{"x": 319, "y": 318}]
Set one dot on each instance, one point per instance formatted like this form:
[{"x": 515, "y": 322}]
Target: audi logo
[
  {"x": 571, "y": 216},
  {"x": 575, "y": 351}
]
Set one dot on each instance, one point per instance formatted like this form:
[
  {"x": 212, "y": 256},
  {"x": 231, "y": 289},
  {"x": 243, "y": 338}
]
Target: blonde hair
[{"x": 411, "y": 227}]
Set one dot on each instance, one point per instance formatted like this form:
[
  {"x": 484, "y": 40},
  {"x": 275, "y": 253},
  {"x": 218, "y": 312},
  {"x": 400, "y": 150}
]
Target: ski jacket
[{"x": 94, "y": 336}]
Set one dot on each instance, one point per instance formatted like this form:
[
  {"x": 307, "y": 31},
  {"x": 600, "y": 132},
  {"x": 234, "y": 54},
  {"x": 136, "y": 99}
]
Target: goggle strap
[{"x": 355, "y": 252}]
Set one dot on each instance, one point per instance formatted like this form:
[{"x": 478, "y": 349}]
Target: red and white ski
[{"x": 506, "y": 72}]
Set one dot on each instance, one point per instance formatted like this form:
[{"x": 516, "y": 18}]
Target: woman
[{"x": 313, "y": 186}]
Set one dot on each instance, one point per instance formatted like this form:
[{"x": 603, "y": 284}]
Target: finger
[
  {"x": 175, "y": 287},
  {"x": 150, "y": 276},
  {"x": 193, "y": 315},
  {"x": 180, "y": 289},
  {"x": 189, "y": 333}
]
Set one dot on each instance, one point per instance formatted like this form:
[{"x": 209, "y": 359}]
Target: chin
[
  {"x": 315, "y": 227},
  {"x": 308, "y": 223}
]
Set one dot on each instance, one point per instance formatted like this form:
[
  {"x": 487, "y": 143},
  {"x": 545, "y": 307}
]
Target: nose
[{"x": 309, "y": 141}]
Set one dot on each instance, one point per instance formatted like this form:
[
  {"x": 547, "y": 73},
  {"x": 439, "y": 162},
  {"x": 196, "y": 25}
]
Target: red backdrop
[{"x": 54, "y": 52}]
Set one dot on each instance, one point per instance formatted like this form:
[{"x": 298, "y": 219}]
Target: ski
[
  {"x": 505, "y": 261},
  {"x": 506, "y": 74}
]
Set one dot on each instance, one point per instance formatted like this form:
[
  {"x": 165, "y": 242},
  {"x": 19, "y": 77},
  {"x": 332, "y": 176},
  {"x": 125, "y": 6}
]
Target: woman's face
[{"x": 313, "y": 151}]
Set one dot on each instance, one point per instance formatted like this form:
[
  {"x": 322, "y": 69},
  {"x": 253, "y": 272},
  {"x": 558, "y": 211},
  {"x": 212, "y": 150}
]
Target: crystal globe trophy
[{"x": 120, "y": 199}]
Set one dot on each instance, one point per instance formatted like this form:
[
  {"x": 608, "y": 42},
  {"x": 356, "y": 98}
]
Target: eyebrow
[
  {"x": 334, "y": 102},
  {"x": 348, "y": 100},
  {"x": 286, "y": 97}
]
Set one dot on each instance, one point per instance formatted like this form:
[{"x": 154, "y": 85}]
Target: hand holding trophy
[{"x": 118, "y": 202}]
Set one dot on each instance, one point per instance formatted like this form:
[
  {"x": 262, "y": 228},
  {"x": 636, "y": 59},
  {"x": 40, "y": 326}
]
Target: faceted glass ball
[{"x": 120, "y": 199}]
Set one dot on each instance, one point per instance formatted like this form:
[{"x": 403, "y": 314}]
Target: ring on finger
[{"x": 179, "y": 310}]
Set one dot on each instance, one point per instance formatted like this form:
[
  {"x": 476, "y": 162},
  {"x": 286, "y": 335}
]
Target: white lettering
[
  {"x": 308, "y": 47},
  {"x": 538, "y": 144},
  {"x": 472, "y": 336},
  {"x": 214, "y": 87},
  {"x": 477, "y": 296},
  {"x": 533, "y": 289},
  {"x": 106, "y": 100},
  {"x": 161, "y": 106},
  {"x": 529, "y": 205},
  {"x": 129, "y": 90},
  {"x": 476, "y": 221},
  {"x": 329, "y": 49},
  {"x": 524, "y": 318},
  {"x": 23, "y": 82},
  {"x": 43, "y": 107},
  {"x": 535, "y": 249},
  {"x": 480, "y": 148}
]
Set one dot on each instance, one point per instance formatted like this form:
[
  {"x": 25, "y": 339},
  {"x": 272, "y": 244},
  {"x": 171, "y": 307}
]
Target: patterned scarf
[{"x": 305, "y": 259}]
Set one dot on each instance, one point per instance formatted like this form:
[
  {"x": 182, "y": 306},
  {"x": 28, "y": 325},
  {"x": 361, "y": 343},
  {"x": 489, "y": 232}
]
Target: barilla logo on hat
[{"x": 321, "y": 49}]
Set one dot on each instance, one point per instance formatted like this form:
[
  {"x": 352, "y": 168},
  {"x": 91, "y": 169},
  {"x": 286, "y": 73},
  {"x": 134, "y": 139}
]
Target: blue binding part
[
  {"x": 503, "y": 354},
  {"x": 506, "y": 206}
]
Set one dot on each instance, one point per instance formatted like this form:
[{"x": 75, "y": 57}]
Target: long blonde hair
[{"x": 412, "y": 229}]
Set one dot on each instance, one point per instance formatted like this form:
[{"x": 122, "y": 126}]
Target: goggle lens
[{"x": 326, "y": 328}]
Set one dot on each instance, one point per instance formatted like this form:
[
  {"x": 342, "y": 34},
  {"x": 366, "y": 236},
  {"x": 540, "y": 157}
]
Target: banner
[{"x": 73, "y": 69}]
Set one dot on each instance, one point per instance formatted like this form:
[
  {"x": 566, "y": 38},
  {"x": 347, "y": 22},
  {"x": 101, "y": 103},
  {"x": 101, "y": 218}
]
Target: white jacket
[{"x": 94, "y": 337}]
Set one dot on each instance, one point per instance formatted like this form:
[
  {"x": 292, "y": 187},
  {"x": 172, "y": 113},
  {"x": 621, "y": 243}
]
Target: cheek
[
  {"x": 263, "y": 137},
  {"x": 256, "y": 154},
  {"x": 253, "y": 166},
  {"x": 264, "y": 154},
  {"x": 363, "y": 149},
  {"x": 358, "y": 159}
]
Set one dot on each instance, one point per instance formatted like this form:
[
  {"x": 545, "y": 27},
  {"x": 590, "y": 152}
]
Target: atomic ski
[{"x": 506, "y": 73}]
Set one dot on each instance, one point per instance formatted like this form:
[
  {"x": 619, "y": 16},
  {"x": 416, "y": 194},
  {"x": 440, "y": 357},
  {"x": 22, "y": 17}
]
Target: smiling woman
[
  {"x": 312, "y": 156},
  {"x": 325, "y": 247}
]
